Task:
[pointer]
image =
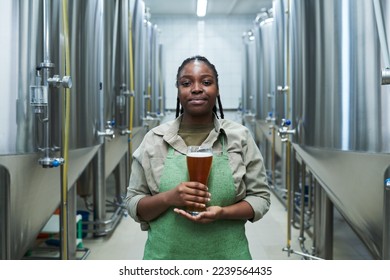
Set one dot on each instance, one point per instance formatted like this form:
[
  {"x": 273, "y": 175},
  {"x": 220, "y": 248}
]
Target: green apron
[{"x": 172, "y": 236}]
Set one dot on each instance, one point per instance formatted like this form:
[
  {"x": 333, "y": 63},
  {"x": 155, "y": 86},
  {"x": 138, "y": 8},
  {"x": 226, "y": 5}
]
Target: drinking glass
[{"x": 199, "y": 161}]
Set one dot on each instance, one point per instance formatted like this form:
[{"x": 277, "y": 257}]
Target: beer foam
[{"x": 200, "y": 154}]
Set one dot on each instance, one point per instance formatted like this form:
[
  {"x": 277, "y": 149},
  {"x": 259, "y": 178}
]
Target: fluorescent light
[{"x": 201, "y": 8}]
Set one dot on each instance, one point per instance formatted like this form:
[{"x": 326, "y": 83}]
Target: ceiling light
[{"x": 201, "y": 8}]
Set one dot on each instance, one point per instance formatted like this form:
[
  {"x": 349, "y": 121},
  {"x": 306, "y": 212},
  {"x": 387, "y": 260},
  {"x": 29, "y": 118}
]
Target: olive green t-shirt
[{"x": 195, "y": 134}]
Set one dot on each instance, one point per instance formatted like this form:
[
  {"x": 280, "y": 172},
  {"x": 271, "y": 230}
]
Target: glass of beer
[{"x": 199, "y": 161}]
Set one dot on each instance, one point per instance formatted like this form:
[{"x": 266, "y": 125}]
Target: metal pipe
[
  {"x": 46, "y": 65},
  {"x": 104, "y": 227},
  {"x": 131, "y": 109},
  {"x": 386, "y": 217},
  {"x": 323, "y": 223},
  {"x": 295, "y": 179},
  {"x": 310, "y": 194},
  {"x": 289, "y": 197},
  {"x": 123, "y": 36},
  {"x": 99, "y": 189},
  {"x": 99, "y": 186},
  {"x": 381, "y": 32},
  {"x": 383, "y": 41},
  {"x": 114, "y": 41},
  {"x": 46, "y": 31},
  {"x": 288, "y": 70},
  {"x": 302, "y": 225},
  {"x": 273, "y": 153},
  {"x": 305, "y": 255},
  {"x": 160, "y": 78},
  {"x": 302, "y": 201},
  {"x": 316, "y": 219}
]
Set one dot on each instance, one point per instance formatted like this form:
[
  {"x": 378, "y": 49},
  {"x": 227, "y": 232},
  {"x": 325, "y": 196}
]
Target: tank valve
[
  {"x": 51, "y": 162},
  {"x": 125, "y": 132},
  {"x": 109, "y": 131},
  {"x": 57, "y": 82},
  {"x": 270, "y": 118},
  {"x": 283, "y": 130},
  {"x": 387, "y": 184},
  {"x": 151, "y": 120},
  {"x": 385, "y": 76},
  {"x": 282, "y": 89}
]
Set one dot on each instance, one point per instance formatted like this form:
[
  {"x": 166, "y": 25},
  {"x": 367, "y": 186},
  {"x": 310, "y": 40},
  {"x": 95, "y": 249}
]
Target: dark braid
[
  {"x": 220, "y": 107},
  {"x": 212, "y": 67},
  {"x": 177, "y": 107}
]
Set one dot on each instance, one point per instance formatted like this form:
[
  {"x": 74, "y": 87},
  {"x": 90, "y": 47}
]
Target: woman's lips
[{"x": 197, "y": 101}]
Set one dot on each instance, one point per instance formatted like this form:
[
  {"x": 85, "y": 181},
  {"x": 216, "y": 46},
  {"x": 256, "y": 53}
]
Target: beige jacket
[{"x": 245, "y": 160}]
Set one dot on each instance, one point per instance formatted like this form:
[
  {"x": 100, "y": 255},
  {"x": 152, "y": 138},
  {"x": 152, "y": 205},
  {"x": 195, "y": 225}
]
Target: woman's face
[{"x": 197, "y": 91}]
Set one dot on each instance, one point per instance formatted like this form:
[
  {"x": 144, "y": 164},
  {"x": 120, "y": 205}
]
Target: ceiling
[{"x": 215, "y": 7}]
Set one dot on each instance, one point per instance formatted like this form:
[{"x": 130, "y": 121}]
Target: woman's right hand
[{"x": 189, "y": 194}]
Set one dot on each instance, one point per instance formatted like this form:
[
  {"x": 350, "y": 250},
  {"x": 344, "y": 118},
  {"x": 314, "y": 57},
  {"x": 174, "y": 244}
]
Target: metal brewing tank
[
  {"x": 110, "y": 86},
  {"x": 339, "y": 107}
]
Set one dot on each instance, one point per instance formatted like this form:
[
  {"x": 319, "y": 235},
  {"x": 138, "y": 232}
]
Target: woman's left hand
[{"x": 211, "y": 214}]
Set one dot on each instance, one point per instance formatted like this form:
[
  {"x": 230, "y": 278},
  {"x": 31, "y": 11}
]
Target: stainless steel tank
[
  {"x": 105, "y": 76},
  {"x": 339, "y": 107},
  {"x": 85, "y": 17}
]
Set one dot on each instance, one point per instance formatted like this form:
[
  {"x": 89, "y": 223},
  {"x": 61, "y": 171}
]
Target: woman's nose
[{"x": 197, "y": 88}]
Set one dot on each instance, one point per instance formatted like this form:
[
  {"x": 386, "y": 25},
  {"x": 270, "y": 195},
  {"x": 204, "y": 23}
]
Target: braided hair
[{"x": 179, "y": 109}]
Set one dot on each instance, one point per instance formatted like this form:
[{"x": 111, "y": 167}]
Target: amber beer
[{"x": 199, "y": 161}]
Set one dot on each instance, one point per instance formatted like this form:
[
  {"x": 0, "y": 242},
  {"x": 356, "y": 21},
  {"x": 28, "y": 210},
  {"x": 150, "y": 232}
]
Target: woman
[{"x": 159, "y": 190}]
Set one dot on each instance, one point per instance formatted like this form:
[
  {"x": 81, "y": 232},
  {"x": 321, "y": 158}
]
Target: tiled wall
[{"x": 218, "y": 38}]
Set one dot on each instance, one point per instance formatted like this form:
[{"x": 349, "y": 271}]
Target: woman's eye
[
  {"x": 207, "y": 83},
  {"x": 185, "y": 84}
]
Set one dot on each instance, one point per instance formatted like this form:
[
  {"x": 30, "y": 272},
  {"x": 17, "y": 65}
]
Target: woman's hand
[
  {"x": 211, "y": 214},
  {"x": 189, "y": 194},
  {"x": 241, "y": 210}
]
